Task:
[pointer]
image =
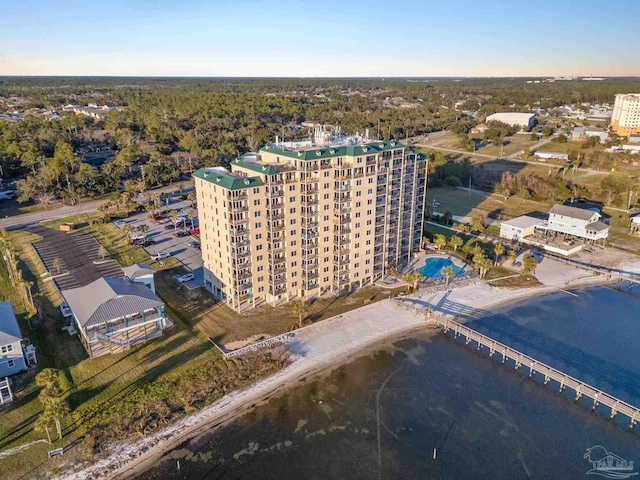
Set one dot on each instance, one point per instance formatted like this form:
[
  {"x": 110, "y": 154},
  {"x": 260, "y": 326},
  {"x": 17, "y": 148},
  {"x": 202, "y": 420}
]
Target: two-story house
[
  {"x": 578, "y": 222},
  {"x": 12, "y": 359},
  {"x": 112, "y": 314}
]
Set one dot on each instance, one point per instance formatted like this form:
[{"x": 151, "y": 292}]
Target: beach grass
[{"x": 108, "y": 388}]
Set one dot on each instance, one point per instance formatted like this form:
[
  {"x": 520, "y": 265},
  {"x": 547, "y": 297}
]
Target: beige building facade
[
  {"x": 625, "y": 120},
  {"x": 292, "y": 222}
]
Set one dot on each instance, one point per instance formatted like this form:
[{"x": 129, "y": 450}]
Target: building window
[
  {"x": 294, "y": 274},
  {"x": 292, "y": 199},
  {"x": 255, "y": 191},
  {"x": 256, "y": 202},
  {"x": 258, "y": 236},
  {"x": 292, "y": 188},
  {"x": 292, "y": 210},
  {"x": 7, "y": 348},
  {"x": 258, "y": 225},
  {"x": 258, "y": 247},
  {"x": 292, "y": 221},
  {"x": 260, "y": 289},
  {"x": 259, "y": 258},
  {"x": 10, "y": 363},
  {"x": 256, "y": 214},
  {"x": 260, "y": 279},
  {"x": 260, "y": 268},
  {"x": 294, "y": 284}
]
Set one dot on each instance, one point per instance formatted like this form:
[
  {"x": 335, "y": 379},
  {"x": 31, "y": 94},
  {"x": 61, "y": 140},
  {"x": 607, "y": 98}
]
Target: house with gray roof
[
  {"x": 113, "y": 314},
  {"x": 141, "y": 273},
  {"x": 12, "y": 358},
  {"x": 578, "y": 222}
]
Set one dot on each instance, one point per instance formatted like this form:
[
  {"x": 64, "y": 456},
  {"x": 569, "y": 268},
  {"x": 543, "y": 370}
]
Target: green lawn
[
  {"x": 464, "y": 203},
  {"x": 176, "y": 368}
]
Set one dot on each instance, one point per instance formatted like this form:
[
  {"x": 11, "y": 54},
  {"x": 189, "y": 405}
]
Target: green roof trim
[
  {"x": 265, "y": 169},
  {"x": 330, "y": 152},
  {"x": 227, "y": 181}
]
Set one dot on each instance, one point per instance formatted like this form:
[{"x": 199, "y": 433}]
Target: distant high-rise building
[
  {"x": 625, "y": 120},
  {"x": 296, "y": 220}
]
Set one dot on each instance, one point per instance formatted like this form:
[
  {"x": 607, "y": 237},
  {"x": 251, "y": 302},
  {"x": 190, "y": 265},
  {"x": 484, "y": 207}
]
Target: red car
[
  {"x": 158, "y": 217},
  {"x": 195, "y": 231}
]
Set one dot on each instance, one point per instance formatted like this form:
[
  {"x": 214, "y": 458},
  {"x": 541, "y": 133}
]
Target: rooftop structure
[
  {"x": 524, "y": 120},
  {"x": 552, "y": 156},
  {"x": 299, "y": 219},
  {"x": 625, "y": 119}
]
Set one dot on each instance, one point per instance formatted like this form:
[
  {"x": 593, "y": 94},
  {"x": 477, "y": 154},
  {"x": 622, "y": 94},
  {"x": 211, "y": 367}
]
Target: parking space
[
  {"x": 73, "y": 252},
  {"x": 165, "y": 241}
]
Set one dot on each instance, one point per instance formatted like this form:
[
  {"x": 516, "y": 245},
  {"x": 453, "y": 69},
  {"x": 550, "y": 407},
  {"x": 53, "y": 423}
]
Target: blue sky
[{"x": 316, "y": 39}]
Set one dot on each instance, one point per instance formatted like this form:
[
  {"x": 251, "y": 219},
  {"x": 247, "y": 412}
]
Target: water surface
[{"x": 383, "y": 415}]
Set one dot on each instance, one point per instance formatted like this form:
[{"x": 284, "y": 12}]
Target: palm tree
[
  {"x": 174, "y": 218},
  {"x": 301, "y": 309},
  {"x": 42, "y": 425},
  {"x": 529, "y": 263},
  {"x": 191, "y": 197},
  {"x": 47, "y": 377},
  {"x": 57, "y": 410},
  {"x": 439, "y": 241},
  {"x": 477, "y": 224},
  {"x": 498, "y": 248},
  {"x": 455, "y": 242},
  {"x": 511, "y": 255},
  {"x": 447, "y": 272},
  {"x": 144, "y": 228},
  {"x": 56, "y": 264},
  {"x": 127, "y": 230},
  {"x": 191, "y": 215},
  {"x": 124, "y": 199},
  {"x": 413, "y": 278}
]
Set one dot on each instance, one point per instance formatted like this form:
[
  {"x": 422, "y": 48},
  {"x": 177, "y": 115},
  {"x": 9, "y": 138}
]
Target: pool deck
[{"x": 421, "y": 257}]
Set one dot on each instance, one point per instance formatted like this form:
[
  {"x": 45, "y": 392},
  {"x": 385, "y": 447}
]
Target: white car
[
  {"x": 65, "y": 310},
  {"x": 120, "y": 223},
  {"x": 161, "y": 255},
  {"x": 186, "y": 278}
]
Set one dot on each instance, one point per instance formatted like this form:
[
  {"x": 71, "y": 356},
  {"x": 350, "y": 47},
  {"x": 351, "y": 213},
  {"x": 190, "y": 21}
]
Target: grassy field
[
  {"x": 511, "y": 145},
  {"x": 107, "y": 389},
  {"x": 464, "y": 203}
]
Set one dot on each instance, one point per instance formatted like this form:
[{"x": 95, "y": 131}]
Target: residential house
[
  {"x": 544, "y": 156},
  {"x": 519, "y": 227},
  {"x": 577, "y": 222},
  {"x": 141, "y": 273},
  {"x": 113, "y": 314},
  {"x": 12, "y": 357},
  {"x": 478, "y": 129}
]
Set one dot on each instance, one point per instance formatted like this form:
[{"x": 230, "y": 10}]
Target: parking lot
[{"x": 164, "y": 241}]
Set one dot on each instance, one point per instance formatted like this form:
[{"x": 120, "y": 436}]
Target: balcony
[
  {"x": 278, "y": 281},
  {"x": 343, "y": 187},
  {"x": 310, "y": 264},
  {"x": 310, "y": 234},
  {"x": 275, "y": 216},
  {"x": 239, "y": 242},
  {"x": 239, "y": 220},
  {"x": 275, "y": 205},
  {"x": 240, "y": 253},
  {"x": 276, "y": 227},
  {"x": 236, "y": 232},
  {"x": 243, "y": 276},
  {"x": 342, "y": 219},
  {"x": 312, "y": 276},
  {"x": 240, "y": 209},
  {"x": 309, "y": 255},
  {"x": 309, "y": 200},
  {"x": 275, "y": 193},
  {"x": 310, "y": 213},
  {"x": 342, "y": 240}
]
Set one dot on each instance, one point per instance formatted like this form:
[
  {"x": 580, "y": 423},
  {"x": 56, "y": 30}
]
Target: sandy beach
[{"x": 328, "y": 344}]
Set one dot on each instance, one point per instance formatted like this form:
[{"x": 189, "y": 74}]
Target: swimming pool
[{"x": 433, "y": 266}]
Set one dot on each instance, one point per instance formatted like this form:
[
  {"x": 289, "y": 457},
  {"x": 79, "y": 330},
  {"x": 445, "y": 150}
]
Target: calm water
[
  {"x": 381, "y": 416},
  {"x": 432, "y": 267}
]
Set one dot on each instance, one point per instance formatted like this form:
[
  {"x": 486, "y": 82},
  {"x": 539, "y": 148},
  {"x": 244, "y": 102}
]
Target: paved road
[{"x": 27, "y": 219}]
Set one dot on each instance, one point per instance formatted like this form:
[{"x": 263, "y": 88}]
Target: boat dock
[{"x": 549, "y": 373}]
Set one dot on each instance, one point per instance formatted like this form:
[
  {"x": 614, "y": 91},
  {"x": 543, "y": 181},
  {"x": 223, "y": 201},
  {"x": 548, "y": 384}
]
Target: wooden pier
[{"x": 521, "y": 360}]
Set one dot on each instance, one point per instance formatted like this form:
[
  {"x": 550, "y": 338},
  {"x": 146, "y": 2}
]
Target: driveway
[{"x": 178, "y": 247}]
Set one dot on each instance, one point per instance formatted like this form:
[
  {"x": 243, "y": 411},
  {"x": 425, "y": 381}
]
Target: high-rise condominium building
[
  {"x": 625, "y": 120},
  {"x": 299, "y": 220}
]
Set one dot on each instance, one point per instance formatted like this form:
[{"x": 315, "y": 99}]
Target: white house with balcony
[
  {"x": 577, "y": 222},
  {"x": 113, "y": 314}
]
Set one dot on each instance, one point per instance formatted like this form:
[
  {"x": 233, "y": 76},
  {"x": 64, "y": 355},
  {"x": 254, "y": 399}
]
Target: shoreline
[{"x": 315, "y": 349}]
